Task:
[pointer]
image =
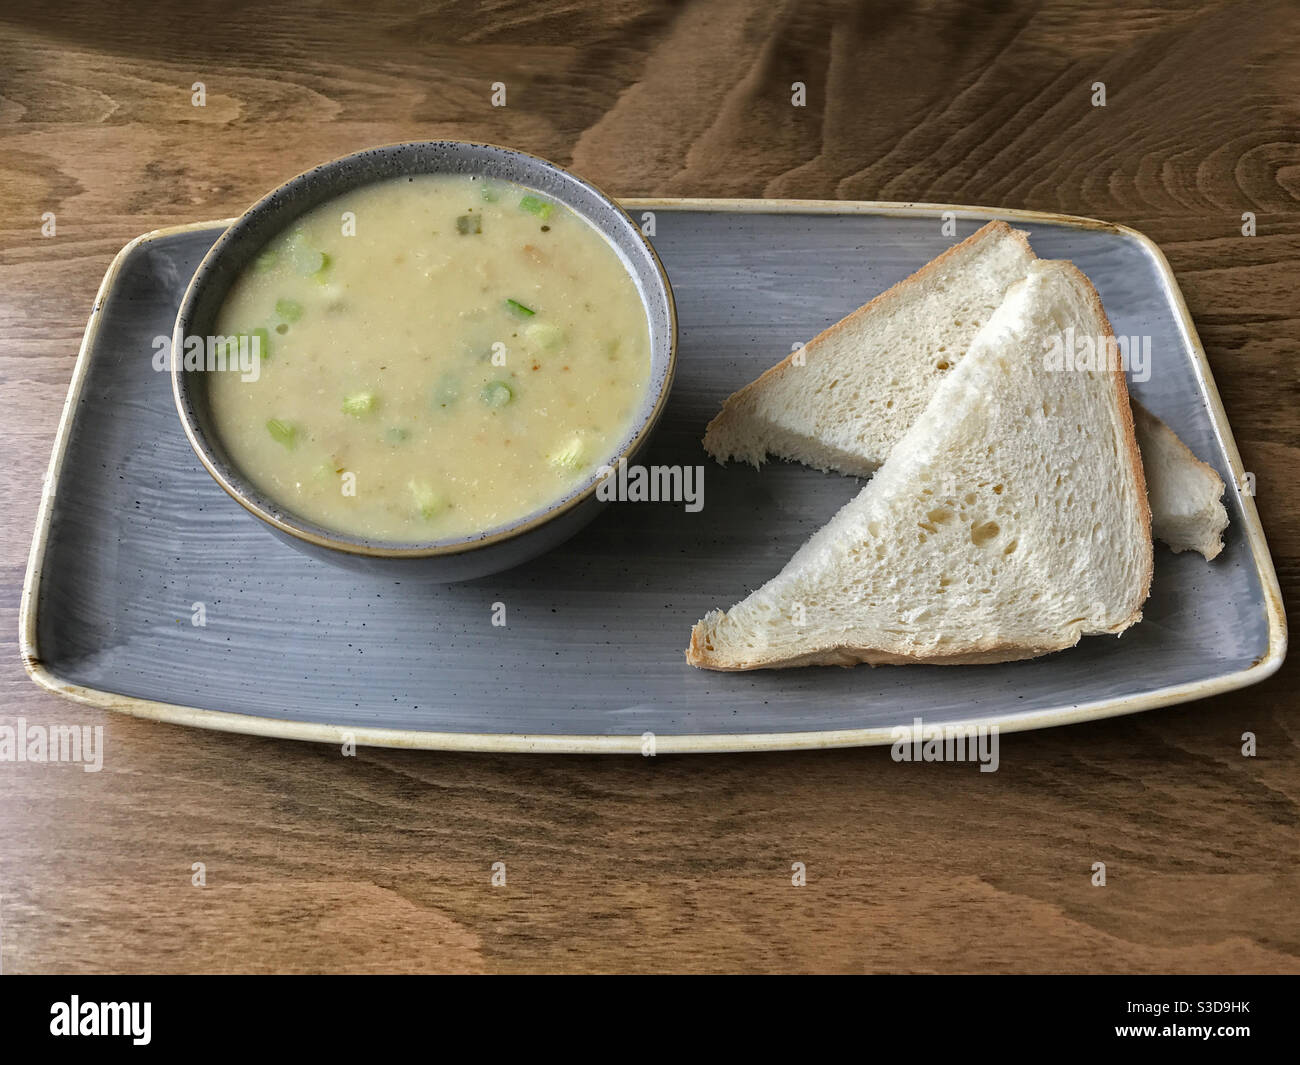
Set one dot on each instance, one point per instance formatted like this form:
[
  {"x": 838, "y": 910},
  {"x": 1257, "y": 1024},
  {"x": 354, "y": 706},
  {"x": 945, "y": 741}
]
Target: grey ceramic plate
[{"x": 133, "y": 531}]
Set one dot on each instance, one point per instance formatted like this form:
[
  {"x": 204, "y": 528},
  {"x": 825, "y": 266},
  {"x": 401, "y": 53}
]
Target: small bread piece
[
  {"x": 845, "y": 398},
  {"x": 1186, "y": 495},
  {"x": 1009, "y": 521}
]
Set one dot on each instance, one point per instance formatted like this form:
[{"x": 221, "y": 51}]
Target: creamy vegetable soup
[{"x": 440, "y": 354}]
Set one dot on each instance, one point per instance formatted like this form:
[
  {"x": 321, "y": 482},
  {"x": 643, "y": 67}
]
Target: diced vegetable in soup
[{"x": 441, "y": 355}]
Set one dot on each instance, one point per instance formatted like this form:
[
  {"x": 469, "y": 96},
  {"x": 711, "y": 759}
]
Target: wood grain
[{"x": 382, "y": 863}]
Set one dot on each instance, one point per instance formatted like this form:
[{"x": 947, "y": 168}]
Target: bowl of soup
[{"x": 421, "y": 359}]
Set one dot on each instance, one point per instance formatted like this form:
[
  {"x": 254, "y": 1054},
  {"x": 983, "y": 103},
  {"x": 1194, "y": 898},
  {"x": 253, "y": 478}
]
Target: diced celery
[
  {"x": 468, "y": 224},
  {"x": 497, "y": 394},
  {"x": 572, "y": 456},
  {"x": 282, "y": 432},
  {"x": 322, "y": 276},
  {"x": 428, "y": 501},
  {"x": 544, "y": 334},
  {"x": 359, "y": 403},
  {"x": 536, "y": 205},
  {"x": 289, "y": 310},
  {"x": 262, "y": 338},
  {"x": 306, "y": 260}
]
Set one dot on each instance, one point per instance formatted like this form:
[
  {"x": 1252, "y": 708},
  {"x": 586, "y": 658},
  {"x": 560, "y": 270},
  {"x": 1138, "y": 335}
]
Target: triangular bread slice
[
  {"x": 1186, "y": 495},
  {"x": 843, "y": 400},
  {"x": 1010, "y": 520}
]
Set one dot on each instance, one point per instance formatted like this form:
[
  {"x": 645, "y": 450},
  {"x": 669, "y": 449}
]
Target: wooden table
[{"x": 383, "y": 862}]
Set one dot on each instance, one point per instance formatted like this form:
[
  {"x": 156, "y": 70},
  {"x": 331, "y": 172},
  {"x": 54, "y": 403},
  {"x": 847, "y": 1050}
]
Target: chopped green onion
[
  {"x": 497, "y": 394},
  {"x": 520, "y": 309},
  {"x": 536, "y": 205},
  {"x": 289, "y": 310},
  {"x": 428, "y": 501},
  {"x": 283, "y": 432},
  {"x": 359, "y": 403},
  {"x": 469, "y": 223}
]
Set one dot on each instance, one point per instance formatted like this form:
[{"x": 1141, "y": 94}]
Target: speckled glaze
[
  {"x": 132, "y": 532},
  {"x": 460, "y": 558}
]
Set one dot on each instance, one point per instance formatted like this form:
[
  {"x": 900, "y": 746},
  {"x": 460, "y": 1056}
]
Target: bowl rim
[{"x": 361, "y": 546}]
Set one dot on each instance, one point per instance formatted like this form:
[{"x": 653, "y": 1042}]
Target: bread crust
[
  {"x": 1128, "y": 433},
  {"x": 985, "y": 652},
  {"x": 722, "y": 421}
]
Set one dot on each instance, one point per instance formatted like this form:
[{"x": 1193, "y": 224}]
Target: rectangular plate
[{"x": 132, "y": 532}]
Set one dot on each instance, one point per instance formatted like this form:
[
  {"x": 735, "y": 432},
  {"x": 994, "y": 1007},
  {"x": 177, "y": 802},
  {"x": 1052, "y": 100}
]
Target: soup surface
[{"x": 439, "y": 355}]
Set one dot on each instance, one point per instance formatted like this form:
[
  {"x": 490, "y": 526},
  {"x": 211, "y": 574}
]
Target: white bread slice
[
  {"x": 844, "y": 399},
  {"x": 1010, "y": 520},
  {"x": 1186, "y": 495},
  {"x": 847, "y": 397}
]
